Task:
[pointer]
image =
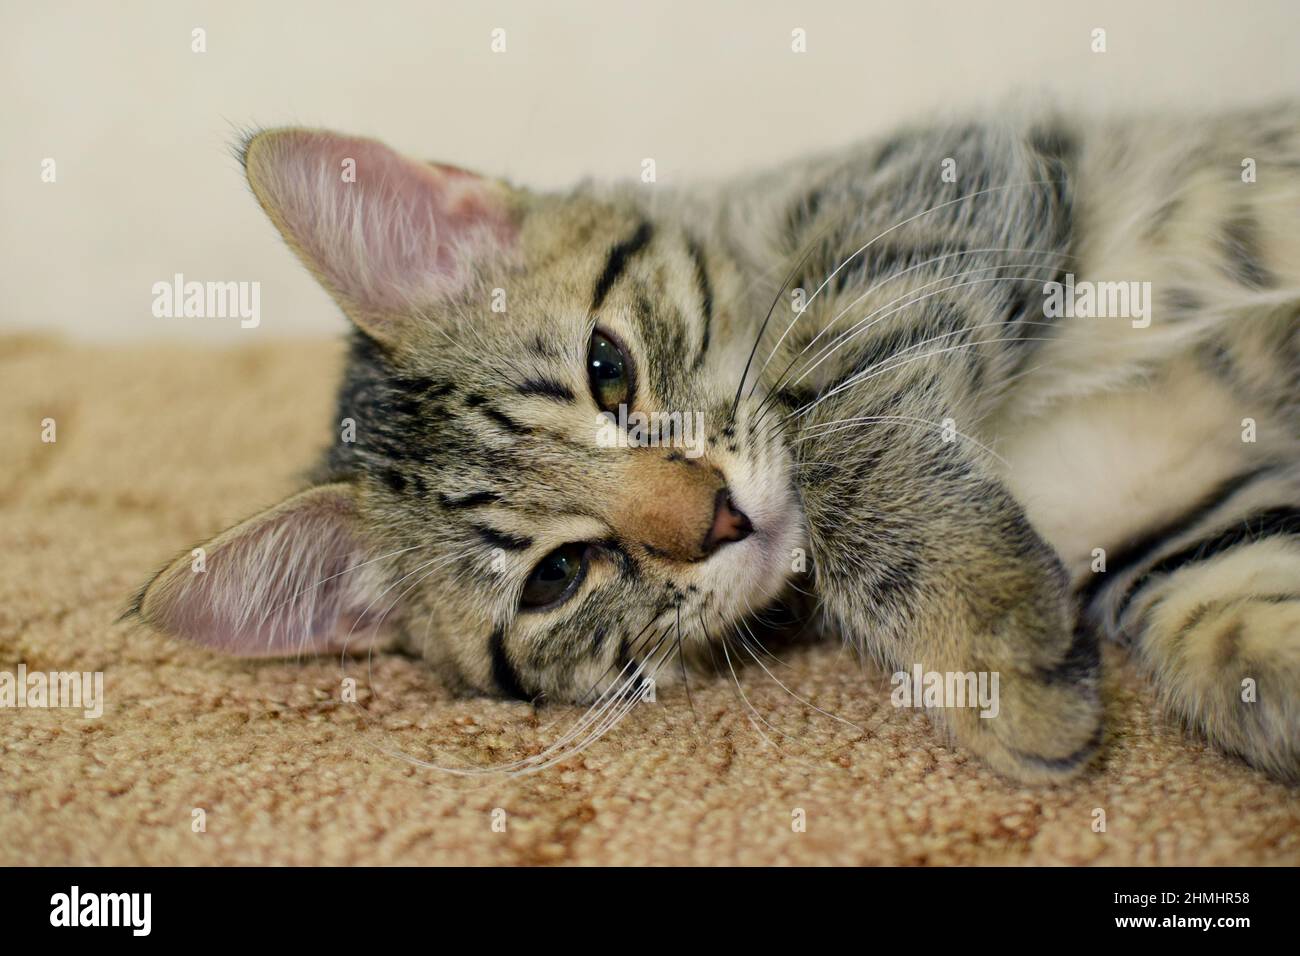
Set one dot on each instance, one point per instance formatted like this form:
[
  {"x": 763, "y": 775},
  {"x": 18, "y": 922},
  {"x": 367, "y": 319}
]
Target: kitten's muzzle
[{"x": 678, "y": 510}]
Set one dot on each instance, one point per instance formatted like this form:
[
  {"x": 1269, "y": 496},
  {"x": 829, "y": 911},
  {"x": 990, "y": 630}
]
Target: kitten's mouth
[{"x": 767, "y": 534}]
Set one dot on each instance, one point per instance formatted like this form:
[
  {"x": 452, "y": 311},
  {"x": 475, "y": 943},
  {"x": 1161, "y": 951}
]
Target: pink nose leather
[{"x": 729, "y": 524}]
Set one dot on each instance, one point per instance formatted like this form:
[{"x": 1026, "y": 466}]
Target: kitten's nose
[{"x": 729, "y": 523}]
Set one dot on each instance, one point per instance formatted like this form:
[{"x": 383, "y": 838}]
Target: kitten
[{"x": 937, "y": 423}]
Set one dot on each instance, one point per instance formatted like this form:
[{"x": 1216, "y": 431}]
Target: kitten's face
[
  {"x": 563, "y": 552},
  {"x": 520, "y": 540}
]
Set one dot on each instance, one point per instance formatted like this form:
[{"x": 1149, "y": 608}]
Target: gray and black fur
[{"x": 885, "y": 394}]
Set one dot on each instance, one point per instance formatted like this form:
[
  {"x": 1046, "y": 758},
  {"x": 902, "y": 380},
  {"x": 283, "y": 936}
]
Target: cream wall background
[{"x": 139, "y": 125}]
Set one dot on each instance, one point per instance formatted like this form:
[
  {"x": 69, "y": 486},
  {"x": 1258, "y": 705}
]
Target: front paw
[
  {"x": 1019, "y": 630},
  {"x": 950, "y": 577}
]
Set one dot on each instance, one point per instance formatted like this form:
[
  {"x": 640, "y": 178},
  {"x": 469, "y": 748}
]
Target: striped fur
[{"x": 952, "y": 458}]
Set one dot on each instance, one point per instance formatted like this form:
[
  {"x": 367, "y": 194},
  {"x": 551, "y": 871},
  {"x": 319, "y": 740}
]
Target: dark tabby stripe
[
  {"x": 503, "y": 672},
  {"x": 1060, "y": 151},
  {"x": 502, "y": 539},
  {"x": 893, "y": 258},
  {"x": 627, "y": 564},
  {"x": 619, "y": 257},
  {"x": 540, "y": 346},
  {"x": 394, "y": 479},
  {"x": 1142, "y": 549},
  {"x": 706, "y": 296},
  {"x": 1081, "y": 661},
  {"x": 546, "y": 388},
  {"x": 1272, "y": 522},
  {"x": 1241, "y": 247},
  {"x": 944, "y": 328},
  {"x": 469, "y": 501},
  {"x": 423, "y": 386},
  {"x": 1065, "y": 763},
  {"x": 506, "y": 422}
]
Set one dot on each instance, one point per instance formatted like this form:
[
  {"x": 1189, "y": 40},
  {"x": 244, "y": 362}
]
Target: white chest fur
[{"x": 1095, "y": 470}]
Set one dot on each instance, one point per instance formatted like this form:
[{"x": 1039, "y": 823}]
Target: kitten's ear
[
  {"x": 384, "y": 234},
  {"x": 281, "y": 583}
]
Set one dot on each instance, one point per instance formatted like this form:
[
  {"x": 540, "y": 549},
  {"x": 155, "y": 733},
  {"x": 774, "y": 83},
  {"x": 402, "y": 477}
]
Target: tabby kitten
[{"x": 967, "y": 472}]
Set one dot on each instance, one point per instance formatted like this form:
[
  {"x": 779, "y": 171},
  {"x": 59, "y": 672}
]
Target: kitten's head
[{"x": 476, "y": 500}]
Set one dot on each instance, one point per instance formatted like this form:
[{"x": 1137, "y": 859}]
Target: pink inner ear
[
  {"x": 399, "y": 234},
  {"x": 290, "y": 581}
]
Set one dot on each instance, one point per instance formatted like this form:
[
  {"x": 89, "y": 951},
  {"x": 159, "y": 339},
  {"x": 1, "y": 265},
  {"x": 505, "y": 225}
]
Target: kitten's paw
[
  {"x": 1048, "y": 723},
  {"x": 1229, "y": 669},
  {"x": 975, "y": 594}
]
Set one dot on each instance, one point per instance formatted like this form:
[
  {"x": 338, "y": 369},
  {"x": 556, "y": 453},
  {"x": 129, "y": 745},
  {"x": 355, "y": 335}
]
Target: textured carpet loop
[{"x": 198, "y": 759}]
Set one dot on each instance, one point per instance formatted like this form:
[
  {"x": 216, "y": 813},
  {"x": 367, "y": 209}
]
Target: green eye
[
  {"x": 556, "y": 577},
  {"x": 610, "y": 372}
]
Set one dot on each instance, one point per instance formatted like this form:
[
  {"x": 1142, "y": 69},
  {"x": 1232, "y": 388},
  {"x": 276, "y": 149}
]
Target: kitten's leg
[
  {"x": 926, "y": 560},
  {"x": 1213, "y": 612},
  {"x": 920, "y": 552}
]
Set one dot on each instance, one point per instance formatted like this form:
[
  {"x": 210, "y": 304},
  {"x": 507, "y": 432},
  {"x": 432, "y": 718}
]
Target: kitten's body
[
  {"x": 955, "y": 467},
  {"x": 1125, "y": 444}
]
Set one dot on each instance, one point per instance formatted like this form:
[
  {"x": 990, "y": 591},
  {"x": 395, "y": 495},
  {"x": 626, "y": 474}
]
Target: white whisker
[{"x": 867, "y": 245}]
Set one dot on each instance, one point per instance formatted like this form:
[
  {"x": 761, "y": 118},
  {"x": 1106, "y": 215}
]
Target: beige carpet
[{"x": 158, "y": 447}]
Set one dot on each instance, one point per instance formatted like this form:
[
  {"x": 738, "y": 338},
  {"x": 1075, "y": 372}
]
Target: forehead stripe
[
  {"x": 546, "y": 388},
  {"x": 502, "y": 539},
  {"x": 619, "y": 256},
  {"x": 706, "y": 295}
]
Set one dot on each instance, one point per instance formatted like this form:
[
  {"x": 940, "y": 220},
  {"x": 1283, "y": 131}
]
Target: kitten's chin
[{"x": 752, "y": 573}]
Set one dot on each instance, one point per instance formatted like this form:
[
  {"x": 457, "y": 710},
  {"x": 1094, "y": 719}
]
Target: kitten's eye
[
  {"x": 609, "y": 369},
  {"x": 556, "y": 577}
]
